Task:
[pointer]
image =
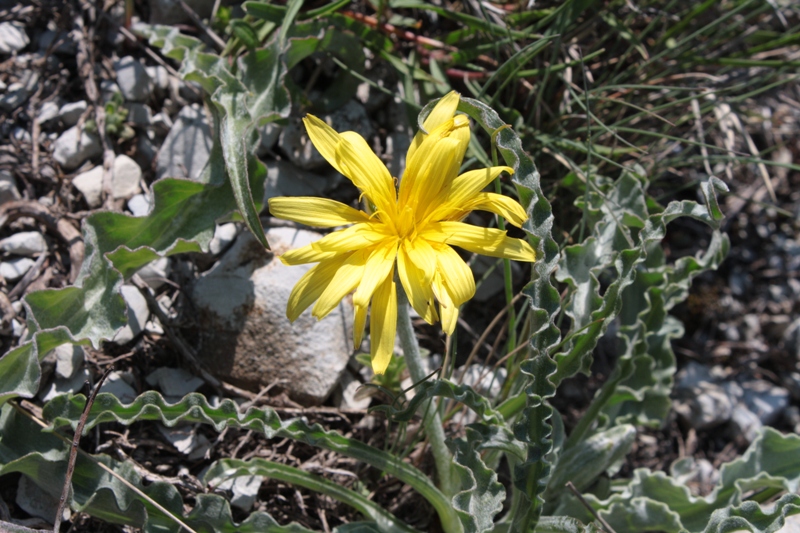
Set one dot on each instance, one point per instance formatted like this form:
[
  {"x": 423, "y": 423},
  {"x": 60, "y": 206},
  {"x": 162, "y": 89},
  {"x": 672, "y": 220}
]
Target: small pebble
[
  {"x": 27, "y": 243},
  {"x": 14, "y": 269}
]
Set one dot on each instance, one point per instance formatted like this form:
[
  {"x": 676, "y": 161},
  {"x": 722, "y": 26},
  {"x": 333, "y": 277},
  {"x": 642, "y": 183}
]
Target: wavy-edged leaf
[
  {"x": 530, "y": 476},
  {"x": 584, "y": 463},
  {"x": 752, "y": 517},
  {"x": 221, "y": 471},
  {"x": 43, "y": 457},
  {"x": 194, "y": 408},
  {"x": 481, "y": 495},
  {"x": 654, "y": 501},
  {"x": 241, "y": 103}
]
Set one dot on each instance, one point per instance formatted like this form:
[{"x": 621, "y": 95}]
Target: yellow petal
[
  {"x": 455, "y": 274},
  {"x": 311, "y": 285},
  {"x": 435, "y": 175},
  {"x": 452, "y": 232},
  {"x": 367, "y": 172},
  {"x": 455, "y": 132},
  {"x": 417, "y": 284},
  {"x": 320, "y": 212},
  {"x": 498, "y": 204},
  {"x": 305, "y": 254},
  {"x": 443, "y": 111},
  {"x": 383, "y": 326},
  {"x": 359, "y": 320},
  {"x": 493, "y": 243},
  {"x": 448, "y": 310},
  {"x": 345, "y": 280},
  {"x": 324, "y": 138},
  {"x": 468, "y": 184},
  {"x": 352, "y": 238},
  {"x": 379, "y": 265}
]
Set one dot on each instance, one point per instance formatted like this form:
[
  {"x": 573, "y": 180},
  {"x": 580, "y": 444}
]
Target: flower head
[{"x": 410, "y": 231}]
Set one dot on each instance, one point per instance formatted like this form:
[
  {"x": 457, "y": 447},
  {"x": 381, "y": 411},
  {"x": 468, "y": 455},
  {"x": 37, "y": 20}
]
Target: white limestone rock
[
  {"x": 27, "y": 243},
  {"x": 12, "y": 37},
  {"x": 245, "y": 336},
  {"x": 185, "y": 150},
  {"x": 133, "y": 81},
  {"x": 14, "y": 269},
  {"x": 73, "y": 147}
]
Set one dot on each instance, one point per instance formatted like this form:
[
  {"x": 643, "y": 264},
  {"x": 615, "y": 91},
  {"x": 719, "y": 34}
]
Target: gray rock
[
  {"x": 244, "y": 491},
  {"x": 70, "y": 113},
  {"x": 791, "y": 380},
  {"x": 73, "y": 147},
  {"x": 117, "y": 384},
  {"x": 160, "y": 77},
  {"x": 704, "y": 406},
  {"x": 133, "y": 80},
  {"x": 186, "y": 440},
  {"x": 224, "y": 235},
  {"x": 15, "y": 95},
  {"x": 48, "y": 111},
  {"x": 269, "y": 136},
  {"x": 108, "y": 88},
  {"x": 13, "y": 269},
  {"x": 346, "y": 394},
  {"x": 146, "y": 151},
  {"x": 125, "y": 181},
  {"x": 66, "y": 42},
  {"x": 138, "y": 313},
  {"x": 139, "y": 205},
  {"x": 156, "y": 272},
  {"x": 126, "y": 178},
  {"x": 139, "y": 114},
  {"x": 744, "y": 423},
  {"x": 285, "y": 179},
  {"x": 184, "y": 153},
  {"x": 175, "y": 382},
  {"x": 171, "y": 12},
  {"x": 244, "y": 333},
  {"x": 8, "y": 188},
  {"x": 61, "y": 385},
  {"x": 27, "y": 243},
  {"x": 90, "y": 185},
  {"x": 161, "y": 123},
  {"x": 791, "y": 339},
  {"x": 295, "y": 143},
  {"x": 764, "y": 399},
  {"x": 751, "y": 326},
  {"x": 21, "y": 135},
  {"x": 69, "y": 359},
  {"x": 12, "y": 37}
]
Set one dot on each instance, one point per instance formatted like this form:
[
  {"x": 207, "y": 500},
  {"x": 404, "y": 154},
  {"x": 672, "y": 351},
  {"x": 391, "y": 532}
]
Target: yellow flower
[{"x": 410, "y": 231}]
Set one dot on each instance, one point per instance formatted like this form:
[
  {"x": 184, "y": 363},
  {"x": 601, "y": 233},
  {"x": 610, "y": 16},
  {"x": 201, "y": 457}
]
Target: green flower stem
[
  {"x": 507, "y": 279},
  {"x": 433, "y": 422}
]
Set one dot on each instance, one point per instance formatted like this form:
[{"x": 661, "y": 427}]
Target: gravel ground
[{"x": 742, "y": 342}]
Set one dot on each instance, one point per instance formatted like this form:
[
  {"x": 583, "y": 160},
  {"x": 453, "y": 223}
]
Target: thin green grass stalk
[
  {"x": 585, "y": 214},
  {"x": 295, "y": 476},
  {"x": 507, "y": 276}
]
